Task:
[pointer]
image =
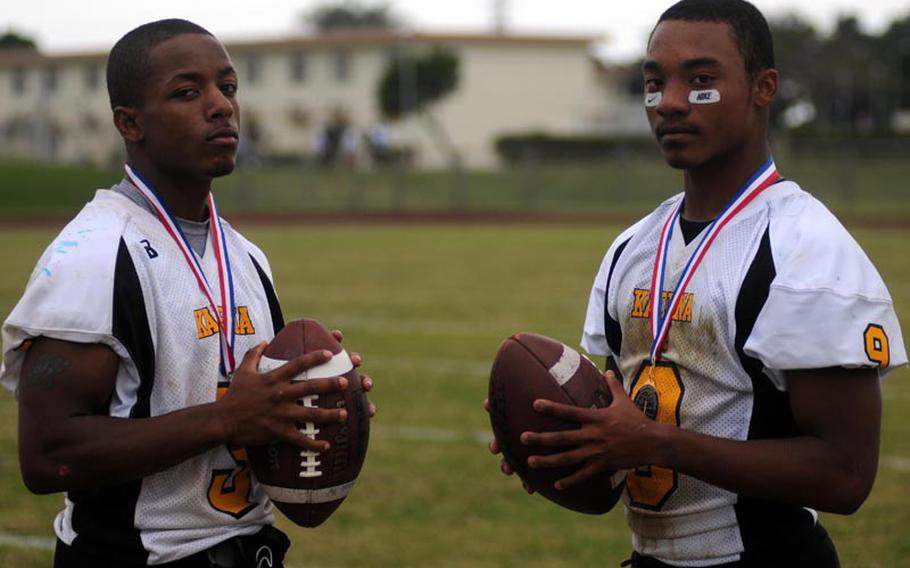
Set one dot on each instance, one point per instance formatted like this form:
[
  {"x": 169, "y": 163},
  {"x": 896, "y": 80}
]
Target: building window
[
  {"x": 18, "y": 80},
  {"x": 298, "y": 67},
  {"x": 253, "y": 69},
  {"x": 342, "y": 65},
  {"x": 92, "y": 77},
  {"x": 50, "y": 79}
]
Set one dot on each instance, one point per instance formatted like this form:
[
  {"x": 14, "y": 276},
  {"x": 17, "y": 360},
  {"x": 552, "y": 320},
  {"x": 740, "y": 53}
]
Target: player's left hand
[
  {"x": 610, "y": 439},
  {"x": 366, "y": 382}
]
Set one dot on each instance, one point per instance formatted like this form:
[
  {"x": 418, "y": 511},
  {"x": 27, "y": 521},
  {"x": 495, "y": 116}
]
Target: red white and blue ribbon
[
  {"x": 662, "y": 318},
  {"x": 225, "y": 315}
]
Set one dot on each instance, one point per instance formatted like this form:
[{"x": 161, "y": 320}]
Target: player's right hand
[
  {"x": 494, "y": 448},
  {"x": 262, "y": 408}
]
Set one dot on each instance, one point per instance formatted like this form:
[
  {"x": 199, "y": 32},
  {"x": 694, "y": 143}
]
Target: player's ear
[
  {"x": 126, "y": 121},
  {"x": 764, "y": 87}
]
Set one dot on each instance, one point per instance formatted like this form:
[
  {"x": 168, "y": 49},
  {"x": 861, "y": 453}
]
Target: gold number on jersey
[
  {"x": 659, "y": 396},
  {"x": 229, "y": 489},
  {"x": 877, "y": 345}
]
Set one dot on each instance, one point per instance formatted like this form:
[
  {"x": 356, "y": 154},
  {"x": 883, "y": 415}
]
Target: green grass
[
  {"x": 427, "y": 307},
  {"x": 866, "y": 188}
]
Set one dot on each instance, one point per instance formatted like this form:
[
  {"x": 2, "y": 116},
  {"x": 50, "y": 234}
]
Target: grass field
[{"x": 427, "y": 306}]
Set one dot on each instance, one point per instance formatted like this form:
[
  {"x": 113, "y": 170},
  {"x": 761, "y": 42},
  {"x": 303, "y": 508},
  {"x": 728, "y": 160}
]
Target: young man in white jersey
[
  {"x": 748, "y": 397},
  {"x": 125, "y": 349}
]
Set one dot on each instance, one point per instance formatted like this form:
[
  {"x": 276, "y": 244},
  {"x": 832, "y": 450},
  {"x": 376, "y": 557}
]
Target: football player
[
  {"x": 143, "y": 309},
  {"x": 744, "y": 330}
]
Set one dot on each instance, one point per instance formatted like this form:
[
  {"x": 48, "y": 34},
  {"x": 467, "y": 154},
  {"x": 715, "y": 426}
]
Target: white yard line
[
  {"x": 434, "y": 435},
  {"x": 897, "y": 463},
  {"x": 25, "y": 541}
]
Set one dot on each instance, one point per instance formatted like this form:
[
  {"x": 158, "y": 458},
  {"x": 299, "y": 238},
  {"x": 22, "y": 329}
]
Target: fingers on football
[
  {"x": 318, "y": 415},
  {"x": 486, "y": 404},
  {"x": 252, "y": 356},
  {"x": 298, "y": 365},
  {"x": 339, "y": 337},
  {"x": 564, "y": 411},
  {"x": 366, "y": 383},
  {"x": 494, "y": 446},
  {"x": 569, "y": 457},
  {"x": 295, "y": 437},
  {"x": 300, "y": 389},
  {"x": 590, "y": 469},
  {"x": 614, "y": 385},
  {"x": 558, "y": 438}
]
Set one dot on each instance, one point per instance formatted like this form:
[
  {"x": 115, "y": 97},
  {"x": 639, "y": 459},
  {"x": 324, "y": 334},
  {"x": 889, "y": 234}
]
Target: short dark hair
[
  {"x": 128, "y": 62},
  {"x": 750, "y": 29}
]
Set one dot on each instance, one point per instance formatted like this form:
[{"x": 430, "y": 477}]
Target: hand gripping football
[
  {"x": 528, "y": 367},
  {"x": 308, "y": 486}
]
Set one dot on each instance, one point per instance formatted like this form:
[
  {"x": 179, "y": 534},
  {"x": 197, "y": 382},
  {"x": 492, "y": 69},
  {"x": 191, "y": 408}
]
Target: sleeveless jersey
[
  {"x": 783, "y": 287},
  {"x": 114, "y": 276}
]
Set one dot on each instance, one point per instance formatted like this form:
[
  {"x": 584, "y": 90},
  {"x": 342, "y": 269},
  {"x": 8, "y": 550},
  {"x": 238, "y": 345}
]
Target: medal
[
  {"x": 661, "y": 318},
  {"x": 225, "y": 316}
]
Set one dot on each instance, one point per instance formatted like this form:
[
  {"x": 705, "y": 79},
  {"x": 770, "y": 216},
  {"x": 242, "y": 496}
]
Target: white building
[{"x": 56, "y": 106}]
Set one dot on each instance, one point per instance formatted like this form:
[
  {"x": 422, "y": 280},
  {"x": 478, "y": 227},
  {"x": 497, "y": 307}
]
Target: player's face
[
  {"x": 698, "y": 56},
  {"x": 190, "y": 116}
]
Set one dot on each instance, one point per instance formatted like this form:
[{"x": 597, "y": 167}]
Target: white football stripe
[
  {"x": 301, "y": 496},
  {"x": 565, "y": 368},
  {"x": 338, "y": 365}
]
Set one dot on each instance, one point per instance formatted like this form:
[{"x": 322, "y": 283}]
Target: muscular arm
[
  {"x": 830, "y": 465},
  {"x": 67, "y": 441}
]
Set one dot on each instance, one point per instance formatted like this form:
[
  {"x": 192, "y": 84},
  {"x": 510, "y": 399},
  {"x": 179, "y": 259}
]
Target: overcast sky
[{"x": 81, "y": 25}]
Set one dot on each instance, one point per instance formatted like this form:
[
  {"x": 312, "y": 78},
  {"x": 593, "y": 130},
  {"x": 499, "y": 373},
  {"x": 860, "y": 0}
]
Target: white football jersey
[
  {"x": 783, "y": 287},
  {"x": 114, "y": 276}
]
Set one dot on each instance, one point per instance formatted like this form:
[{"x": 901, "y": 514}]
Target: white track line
[
  {"x": 435, "y": 435},
  {"x": 24, "y": 541},
  {"x": 897, "y": 463}
]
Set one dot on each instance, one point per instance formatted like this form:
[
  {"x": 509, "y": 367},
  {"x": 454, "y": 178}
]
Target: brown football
[
  {"x": 528, "y": 367},
  {"x": 308, "y": 486}
]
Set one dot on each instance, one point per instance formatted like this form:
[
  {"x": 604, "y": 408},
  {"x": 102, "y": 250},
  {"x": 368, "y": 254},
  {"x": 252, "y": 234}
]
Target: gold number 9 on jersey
[
  {"x": 658, "y": 393},
  {"x": 877, "y": 345}
]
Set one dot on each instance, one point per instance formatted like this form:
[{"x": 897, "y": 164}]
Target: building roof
[{"x": 336, "y": 39}]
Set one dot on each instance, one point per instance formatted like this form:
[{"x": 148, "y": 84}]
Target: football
[
  {"x": 528, "y": 367},
  {"x": 308, "y": 486}
]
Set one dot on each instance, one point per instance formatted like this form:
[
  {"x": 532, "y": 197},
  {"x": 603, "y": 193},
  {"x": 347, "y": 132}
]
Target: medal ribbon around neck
[
  {"x": 225, "y": 316},
  {"x": 660, "y": 318}
]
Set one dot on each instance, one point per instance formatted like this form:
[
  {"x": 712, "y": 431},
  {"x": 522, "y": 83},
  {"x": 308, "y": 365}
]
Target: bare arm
[
  {"x": 67, "y": 441},
  {"x": 830, "y": 465}
]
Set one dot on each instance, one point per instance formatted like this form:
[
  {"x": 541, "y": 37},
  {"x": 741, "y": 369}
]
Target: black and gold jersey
[
  {"x": 114, "y": 276},
  {"x": 783, "y": 287}
]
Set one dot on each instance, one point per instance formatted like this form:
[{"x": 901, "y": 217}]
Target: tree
[
  {"x": 892, "y": 48},
  {"x": 411, "y": 84},
  {"x": 847, "y": 77},
  {"x": 13, "y": 40},
  {"x": 434, "y": 74},
  {"x": 351, "y": 14},
  {"x": 798, "y": 51}
]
